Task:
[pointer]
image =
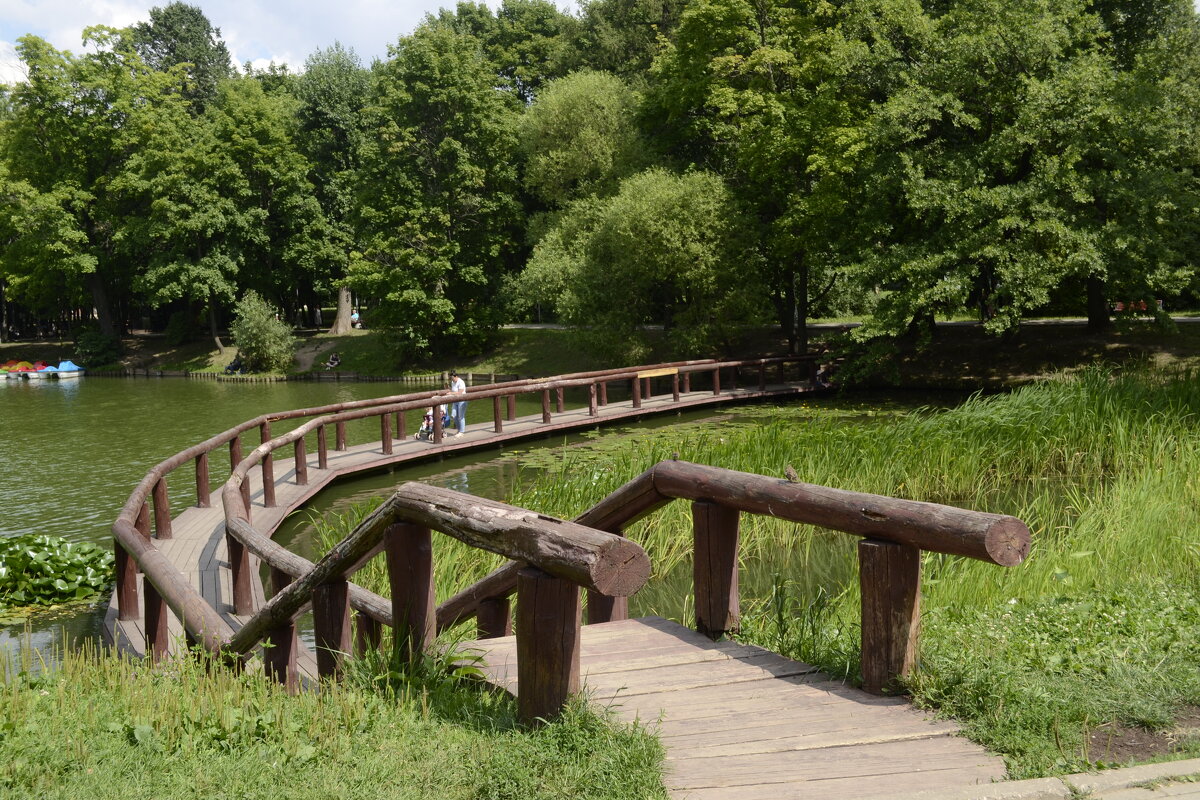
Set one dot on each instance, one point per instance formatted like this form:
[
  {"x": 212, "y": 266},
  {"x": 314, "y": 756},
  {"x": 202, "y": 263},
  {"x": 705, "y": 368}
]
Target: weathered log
[
  {"x": 890, "y": 578},
  {"x": 331, "y": 626},
  {"x": 996, "y": 538},
  {"x": 548, "y": 616},
  {"x": 409, "y": 551},
  {"x": 590, "y": 558}
]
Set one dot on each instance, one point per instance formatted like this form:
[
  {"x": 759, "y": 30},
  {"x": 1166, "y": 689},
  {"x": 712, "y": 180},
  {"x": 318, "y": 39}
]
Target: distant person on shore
[
  {"x": 334, "y": 361},
  {"x": 355, "y": 322},
  {"x": 234, "y": 366},
  {"x": 459, "y": 408}
]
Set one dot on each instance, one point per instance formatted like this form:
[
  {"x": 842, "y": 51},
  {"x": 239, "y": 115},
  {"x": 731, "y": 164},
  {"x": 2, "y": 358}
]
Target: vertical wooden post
[
  {"x": 437, "y": 424},
  {"x": 602, "y": 607},
  {"x": 331, "y": 626},
  {"x": 301, "y": 454},
  {"x": 716, "y": 380},
  {"x": 512, "y": 407},
  {"x": 127, "y": 593},
  {"x": 368, "y": 633},
  {"x": 268, "y": 466},
  {"x": 603, "y": 393},
  {"x": 498, "y": 425},
  {"x": 494, "y": 618},
  {"x": 409, "y": 552},
  {"x": 548, "y": 616},
  {"x": 203, "y": 497},
  {"x": 647, "y": 389},
  {"x": 546, "y": 406},
  {"x": 322, "y": 448},
  {"x": 637, "y": 392},
  {"x": 890, "y": 578},
  {"x": 239, "y": 567},
  {"x": 235, "y": 452},
  {"x": 385, "y": 433},
  {"x": 592, "y": 410},
  {"x": 401, "y": 427},
  {"x": 559, "y": 404},
  {"x": 715, "y": 568},
  {"x": 339, "y": 441},
  {"x": 162, "y": 510},
  {"x": 280, "y": 657},
  {"x": 156, "y": 622},
  {"x": 142, "y": 523},
  {"x": 687, "y": 382},
  {"x": 675, "y": 387}
]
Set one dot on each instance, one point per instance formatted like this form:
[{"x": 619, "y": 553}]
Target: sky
[{"x": 254, "y": 30}]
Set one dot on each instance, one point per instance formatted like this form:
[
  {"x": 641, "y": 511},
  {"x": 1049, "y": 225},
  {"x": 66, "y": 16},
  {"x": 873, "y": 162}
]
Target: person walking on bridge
[{"x": 459, "y": 408}]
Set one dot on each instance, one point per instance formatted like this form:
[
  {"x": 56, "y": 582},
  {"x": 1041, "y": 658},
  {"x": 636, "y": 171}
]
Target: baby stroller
[{"x": 426, "y": 432}]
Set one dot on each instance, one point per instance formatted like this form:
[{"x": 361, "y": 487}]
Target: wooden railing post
[
  {"x": 559, "y": 402},
  {"x": 280, "y": 657},
  {"x": 592, "y": 410},
  {"x": 127, "y": 592},
  {"x": 546, "y": 406},
  {"x": 331, "y": 626},
  {"x": 512, "y": 407},
  {"x": 156, "y": 622},
  {"x": 301, "y": 454},
  {"x": 687, "y": 382},
  {"x": 239, "y": 567},
  {"x": 409, "y": 552},
  {"x": 268, "y": 467},
  {"x": 322, "y": 449},
  {"x": 890, "y": 578},
  {"x": 162, "y": 510},
  {"x": 437, "y": 425},
  {"x": 339, "y": 441},
  {"x": 401, "y": 426},
  {"x": 235, "y": 457},
  {"x": 385, "y": 433},
  {"x": 548, "y": 616},
  {"x": 498, "y": 425},
  {"x": 368, "y": 633},
  {"x": 203, "y": 497},
  {"x": 142, "y": 523},
  {"x": 647, "y": 389},
  {"x": 494, "y": 618},
  {"x": 716, "y": 380},
  {"x": 637, "y": 392},
  {"x": 715, "y": 568},
  {"x": 675, "y": 387},
  {"x": 603, "y": 399}
]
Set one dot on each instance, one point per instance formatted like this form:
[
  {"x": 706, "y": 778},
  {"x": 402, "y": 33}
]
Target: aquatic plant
[{"x": 45, "y": 570}]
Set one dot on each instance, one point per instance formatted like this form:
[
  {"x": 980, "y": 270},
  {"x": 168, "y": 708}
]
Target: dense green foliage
[
  {"x": 264, "y": 341},
  {"x": 891, "y": 159},
  {"x": 104, "y": 727},
  {"x": 44, "y": 570}
]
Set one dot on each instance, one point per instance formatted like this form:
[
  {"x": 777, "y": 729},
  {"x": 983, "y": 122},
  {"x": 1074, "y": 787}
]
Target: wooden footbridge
[{"x": 733, "y": 717}]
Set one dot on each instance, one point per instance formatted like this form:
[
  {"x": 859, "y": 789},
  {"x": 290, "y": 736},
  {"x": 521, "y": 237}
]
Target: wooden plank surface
[{"x": 739, "y": 721}]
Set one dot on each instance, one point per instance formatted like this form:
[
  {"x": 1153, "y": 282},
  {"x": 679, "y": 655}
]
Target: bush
[
  {"x": 264, "y": 342},
  {"x": 93, "y": 349},
  {"x": 182, "y": 328}
]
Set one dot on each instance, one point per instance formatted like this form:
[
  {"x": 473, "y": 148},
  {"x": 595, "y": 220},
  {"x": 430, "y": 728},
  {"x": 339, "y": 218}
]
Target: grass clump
[{"x": 103, "y": 727}]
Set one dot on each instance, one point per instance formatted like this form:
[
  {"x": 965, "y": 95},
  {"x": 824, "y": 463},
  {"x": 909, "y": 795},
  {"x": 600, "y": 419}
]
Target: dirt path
[{"x": 309, "y": 352}]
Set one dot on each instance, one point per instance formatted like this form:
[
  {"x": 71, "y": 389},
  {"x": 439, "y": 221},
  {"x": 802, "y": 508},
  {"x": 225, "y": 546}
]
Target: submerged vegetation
[{"x": 1101, "y": 625}]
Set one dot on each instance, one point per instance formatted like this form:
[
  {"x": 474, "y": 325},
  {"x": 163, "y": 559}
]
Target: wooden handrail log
[
  {"x": 199, "y": 619},
  {"x": 995, "y": 538},
  {"x": 602, "y": 562}
]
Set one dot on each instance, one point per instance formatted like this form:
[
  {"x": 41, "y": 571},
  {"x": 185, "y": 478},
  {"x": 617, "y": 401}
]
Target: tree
[
  {"x": 624, "y": 36},
  {"x": 664, "y": 249},
  {"x": 265, "y": 342},
  {"x": 179, "y": 34},
  {"x": 333, "y": 90},
  {"x": 437, "y": 187}
]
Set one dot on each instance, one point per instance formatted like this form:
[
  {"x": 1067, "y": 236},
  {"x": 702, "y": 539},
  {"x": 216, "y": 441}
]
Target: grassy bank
[
  {"x": 1050, "y": 663},
  {"x": 101, "y": 727}
]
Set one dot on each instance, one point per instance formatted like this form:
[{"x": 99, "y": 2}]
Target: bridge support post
[
  {"x": 546, "y": 407},
  {"x": 494, "y": 618},
  {"x": 890, "y": 577},
  {"x": 385, "y": 433},
  {"x": 592, "y": 410},
  {"x": 715, "y": 568},
  {"x": 559, "y": 403},
  {"x": 409, "y": 553},
  {"x": 280, "y": 657},
  {"x": 127, "y": 593},
  {"x": 512, "y": 407},
  {"x": 331, "y": 626},
  {"x": 497, "y": 416},
  {"x": 202, "y": 491},
  {"x": 368, "y": 634},
  {"x": 157, "y": 645},
  {"x": 637, "y": 393},
  {"x": 322, "y": 449},
  {"x": 548, "y": 617},
  {"x": 339, "y": 437},
  {"x": 401, "y": 427},
  {"x": 162, "y": 510},
  {"x": 300, "y": 453},
  {"x": 239, "y": 567}
]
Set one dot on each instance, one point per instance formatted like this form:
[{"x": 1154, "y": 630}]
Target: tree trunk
[
  {"x": 800, "y": 321},
  {"x": 103, "y": 309},
  {"x": 3, "y": 311},
  {"x": 1097, "y": 304},
  {"x": 212, "y": 323},
  {"x": 341, "y": 322}
]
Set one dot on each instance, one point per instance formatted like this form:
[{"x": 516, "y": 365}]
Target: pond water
[{"x": 73, "y": 450}]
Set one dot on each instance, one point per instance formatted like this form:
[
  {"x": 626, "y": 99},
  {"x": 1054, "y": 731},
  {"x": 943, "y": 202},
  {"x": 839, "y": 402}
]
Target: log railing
[{"x": 165, "y": 588}]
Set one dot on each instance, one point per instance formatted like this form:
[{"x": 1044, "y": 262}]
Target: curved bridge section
[{"x": 733, "y": 717}]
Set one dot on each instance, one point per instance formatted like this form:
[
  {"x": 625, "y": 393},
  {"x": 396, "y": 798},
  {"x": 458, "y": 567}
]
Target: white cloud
[{"x": 11, "y": 68}]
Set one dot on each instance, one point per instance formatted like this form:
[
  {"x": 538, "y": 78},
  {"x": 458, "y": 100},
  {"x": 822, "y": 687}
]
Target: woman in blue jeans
[{"x": 459, "y": 407}]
